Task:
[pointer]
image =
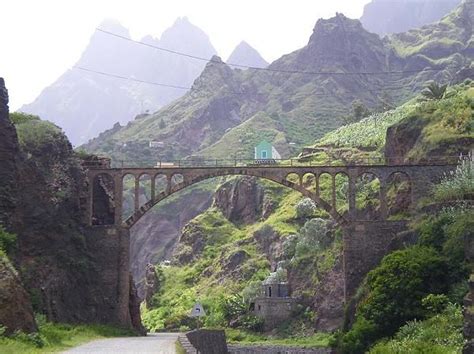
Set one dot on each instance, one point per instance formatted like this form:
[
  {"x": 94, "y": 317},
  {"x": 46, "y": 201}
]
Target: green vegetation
[
  {"x": 459, "y": 184},
  {"x": 7, "y": 241},
  {"x": 316, "y": 340},
  {"x": 34, "y": 135},
  {"x": 20, "y": 118},
  {"x": 54, "y": 337},
  {"x": 440, "y": 334}
]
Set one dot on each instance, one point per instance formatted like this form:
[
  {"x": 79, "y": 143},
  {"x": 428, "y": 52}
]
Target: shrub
[
  {"x": 434, "y": 303},
  {"x": 459, "y": 184},
  {"x": 305, "y": 208},
  {"x": 314, "y": 236},
  {"x": 395, "y": 292},
  {"x": 7, "y": 241},
  {"x": 20, "y": 117}
]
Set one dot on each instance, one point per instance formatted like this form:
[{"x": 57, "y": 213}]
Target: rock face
[
  {"x": 403, "y": 15},
  {"x": 156, "y": 235},
  {"x": 244, "y": 54},
  {"x": 16, "y": 313},
  {"x": 9, "y": 152},
  {"x": 85, "y": 104},
  {"x": 240, "y": 200}
]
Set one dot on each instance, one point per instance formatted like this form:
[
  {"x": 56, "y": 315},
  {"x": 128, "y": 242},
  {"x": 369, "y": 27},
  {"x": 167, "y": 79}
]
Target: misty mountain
[
  {"x": 227, "y": 112},
  {"x": 85, "y": 104},
  {"x": 389, "y": 16},
  {"x": 244, "y": 54}
]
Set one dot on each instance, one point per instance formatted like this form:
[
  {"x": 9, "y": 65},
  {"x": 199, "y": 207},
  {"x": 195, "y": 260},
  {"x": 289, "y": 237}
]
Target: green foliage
[
  {"x": 7, "y": 241},
  {"x": 434, "y": 303},
  {"x": 457, "y": 185},
  {"x": 53, "y": 337},
  {"x": 20, "y": 117},
  {"x": 434, "y": 91},
  {"x": 314, "y": 236},
  {"x": 305, "y": 208},
  {"x": 395, "y": 292},
  {"x": 317, "y": 340},
  {"x": 35, "y": 134},
  {"x": 441, "y": 334}
]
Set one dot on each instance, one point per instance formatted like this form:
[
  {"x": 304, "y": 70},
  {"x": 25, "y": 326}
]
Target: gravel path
[{"x": 156, "y": 343}]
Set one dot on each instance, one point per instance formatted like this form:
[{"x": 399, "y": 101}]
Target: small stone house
[
  {"x": 265, "y": 151},
  {"x": 274, "y": 304}
]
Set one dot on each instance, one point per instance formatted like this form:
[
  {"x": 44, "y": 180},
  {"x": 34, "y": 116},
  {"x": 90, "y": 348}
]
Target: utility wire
[
  {"x": 233, "y": 92},
  {"x": 265, "y": 69}
]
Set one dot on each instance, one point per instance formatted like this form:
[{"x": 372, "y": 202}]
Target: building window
[
  {"x": 269, "y": 291},
  {"x": 264, "y": 154}
]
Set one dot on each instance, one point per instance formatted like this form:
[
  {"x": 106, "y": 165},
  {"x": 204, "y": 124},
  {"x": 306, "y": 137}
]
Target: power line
[
  {"x": 233, "y": 92},
  {"x": 130, "y": 78},
  {"x": 265, "y": 69}
]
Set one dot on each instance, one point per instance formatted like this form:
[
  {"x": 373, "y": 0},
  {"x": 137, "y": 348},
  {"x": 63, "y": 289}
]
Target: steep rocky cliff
[
  {"x": 8, "y": 155},
  {"x": 16, "y": 312}
]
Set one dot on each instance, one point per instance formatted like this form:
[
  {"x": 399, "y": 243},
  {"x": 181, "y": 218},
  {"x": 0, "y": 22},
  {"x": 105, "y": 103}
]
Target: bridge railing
[{"x": 297, "y": 162}]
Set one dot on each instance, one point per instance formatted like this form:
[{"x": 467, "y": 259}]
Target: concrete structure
[
  {"x": 265, "y": 151},
  {"x": 274, "y": 304}
]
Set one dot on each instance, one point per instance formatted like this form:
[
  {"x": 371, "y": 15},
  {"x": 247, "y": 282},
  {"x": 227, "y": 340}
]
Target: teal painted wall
[{"x": 263, "y": 151}]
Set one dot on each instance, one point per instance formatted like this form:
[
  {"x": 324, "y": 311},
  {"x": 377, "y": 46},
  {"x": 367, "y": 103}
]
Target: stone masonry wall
[{"x": 365, "y": 244}]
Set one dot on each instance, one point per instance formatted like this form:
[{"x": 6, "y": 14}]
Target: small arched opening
[{"x": 368, "y": 197}]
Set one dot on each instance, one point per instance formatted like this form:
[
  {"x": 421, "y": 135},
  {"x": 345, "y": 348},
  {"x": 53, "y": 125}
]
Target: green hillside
[{"x": 292, "y": 104}]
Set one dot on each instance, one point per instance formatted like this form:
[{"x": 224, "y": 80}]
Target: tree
[
  {"x": 434, "y": 91},
  {"x": 359, "y": 110},
  {"x": 305, "y": 208}
]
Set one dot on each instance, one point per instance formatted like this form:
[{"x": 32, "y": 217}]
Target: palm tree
[{"x": 434, "y": 91}]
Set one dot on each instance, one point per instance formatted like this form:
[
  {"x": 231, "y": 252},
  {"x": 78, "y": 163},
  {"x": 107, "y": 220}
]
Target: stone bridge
[
  {"x": 304, "y": 179},
  {"x": 365, "y": 241}
]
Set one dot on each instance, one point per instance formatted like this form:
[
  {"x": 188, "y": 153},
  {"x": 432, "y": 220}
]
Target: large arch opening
[
  {"x": 368, "y": 197},
  {"x": 128, "y": 195},
  {"x": 144, "y": 189},
  {"x": 398, "y": 194}
]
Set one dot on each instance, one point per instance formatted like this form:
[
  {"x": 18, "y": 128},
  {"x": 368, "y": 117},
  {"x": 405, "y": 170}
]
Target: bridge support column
[
  {"x": 137, "y": 193},
  {"x": 333, "y": 193},
  {"x": 352, "y": 197},
  {"x": 383, "y": 200},
  {"x": 365, "y": 244},
  {"x": 153, "y": 188}
]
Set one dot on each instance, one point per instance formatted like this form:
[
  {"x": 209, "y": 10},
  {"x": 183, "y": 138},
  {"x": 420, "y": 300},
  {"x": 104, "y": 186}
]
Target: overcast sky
[{"x": 40, "y": 39}]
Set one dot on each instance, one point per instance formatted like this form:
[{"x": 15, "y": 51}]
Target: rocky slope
[
  {"x": 225, "y": 103},
  {"x": 85, "y": 104},
  {"x": 16, "y": 312},
  {"x": 403, "y": 15},
  {"x": 246, "y": 55},
  {"x": 60, "y": 261}
]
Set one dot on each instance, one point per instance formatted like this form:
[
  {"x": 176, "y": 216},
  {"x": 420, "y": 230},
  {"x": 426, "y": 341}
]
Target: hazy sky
[{"x": 40, "y": 39}]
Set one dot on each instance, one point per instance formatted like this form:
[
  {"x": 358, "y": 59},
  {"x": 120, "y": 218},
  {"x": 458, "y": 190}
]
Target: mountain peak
[
  {"x": 245, "y": 54},
  {"x": 114, "y": 26}
]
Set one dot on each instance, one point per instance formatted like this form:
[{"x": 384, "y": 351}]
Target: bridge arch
[{"x": 191, "y": 180}]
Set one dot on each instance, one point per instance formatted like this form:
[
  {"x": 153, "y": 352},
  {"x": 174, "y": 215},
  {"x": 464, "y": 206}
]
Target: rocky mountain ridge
[{"x": 86, "y": 103}]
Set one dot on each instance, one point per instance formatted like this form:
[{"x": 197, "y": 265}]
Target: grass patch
[
  {"x": 317, "y": 340},
  {"x": 55, "y": 337}
]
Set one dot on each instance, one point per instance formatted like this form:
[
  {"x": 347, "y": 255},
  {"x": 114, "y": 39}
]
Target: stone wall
[
  {"x": 207, "y": 341},
  {"x": 267, "y": 349},
  {"x": 274, "y": 310},
  {"x": 365, "y": 244}
]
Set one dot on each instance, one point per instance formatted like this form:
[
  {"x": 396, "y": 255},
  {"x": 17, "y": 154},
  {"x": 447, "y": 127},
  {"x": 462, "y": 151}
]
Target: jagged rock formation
[
  {"x": 85, "y": 104},
  {"x": 16, "y": 313},
  {"x": 240, "y": 200},
  {"x": 246, "y": 55},
  {"x": 403, "y": 15},
  {"x": 155, "y": 236},
  {"x": 228, "y": 112},
  {"x": 8, "y": 153}
]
